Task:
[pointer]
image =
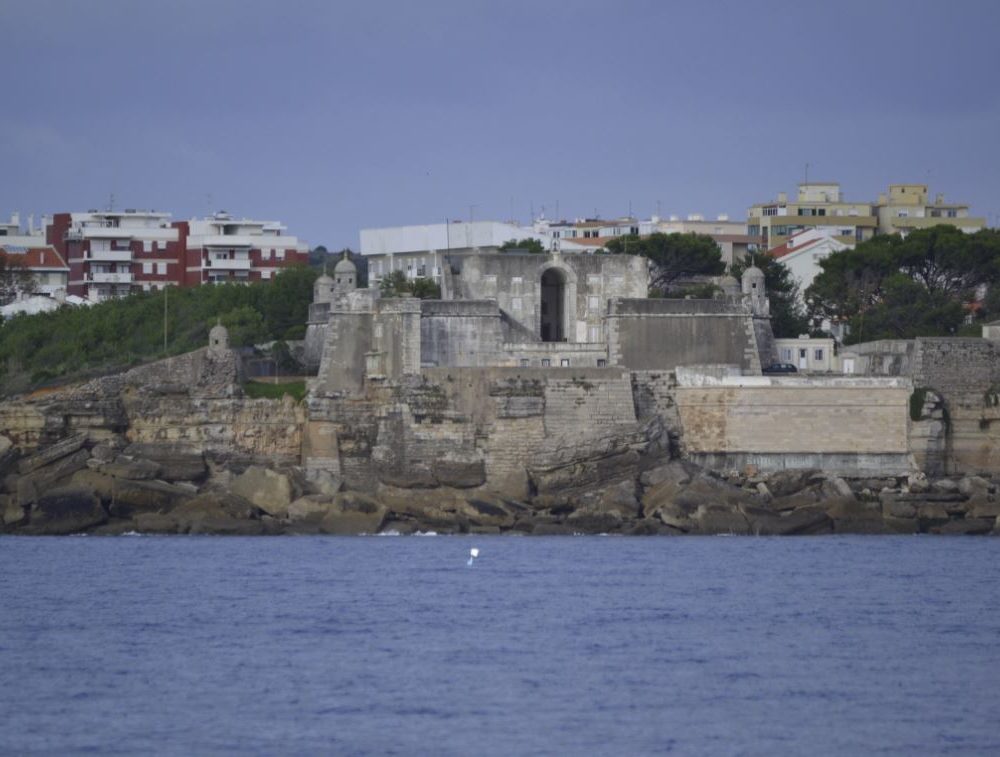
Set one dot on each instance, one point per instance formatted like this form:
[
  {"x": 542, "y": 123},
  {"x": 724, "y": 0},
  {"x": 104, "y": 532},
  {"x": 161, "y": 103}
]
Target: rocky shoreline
[{"x": 112, "y": 487}]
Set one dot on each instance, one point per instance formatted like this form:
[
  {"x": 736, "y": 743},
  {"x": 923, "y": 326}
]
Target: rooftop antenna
[
  {"x": 657, "y": 208},
  {"x": 557, "y": 212},
  {"x": 629, "y": 208},
  {"x": 111, "y": 202},
  {"x": 472, "y": 213},
  {"x": 807, "y": 173}
]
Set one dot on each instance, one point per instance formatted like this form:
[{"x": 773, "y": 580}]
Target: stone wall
[{"x": 848, "y": 426}]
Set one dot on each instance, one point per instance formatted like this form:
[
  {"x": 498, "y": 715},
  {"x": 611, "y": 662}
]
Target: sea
[{"x": 541, "y": 646}]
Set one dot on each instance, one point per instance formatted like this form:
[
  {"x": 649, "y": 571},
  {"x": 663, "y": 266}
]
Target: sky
[{"x": 337, "y": 116}]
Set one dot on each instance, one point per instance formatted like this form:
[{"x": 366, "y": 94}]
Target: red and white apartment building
[{"x": 114, "y": 253}]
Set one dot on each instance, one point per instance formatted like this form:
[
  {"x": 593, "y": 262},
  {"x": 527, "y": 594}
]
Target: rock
[
  {"x": 965, "y": 527},
  {"x": 267, "y": 489},
  {"x": 851, "y": 516},
  {"x": 128, "y": 468},
  {"x": 459, "y": 469},
  {"x": 901, "y": 525},
  {"x": 211, "y": 512},
  {"x": 711, "y": 519},
  {"x": 126, "y": 498},
  {"x": 8, "y": 455},
  {"x": 177, "y": 461},
  {"x": 970, "y": 485},
  {"x": 553, "y": 529},
  {"x": 675, "y": 516},
  {"x": 322, "y": 482},
  {"x": 764, "y": 493},
  {"x": 707, "y": 490},
  {"x": 11, "y": 513},
  {"x": 155, "y": 523},
  {"x": 51, "y": 453},
  {"x": 917, "y": 482},
  {"x": 931, "y": 515},
  {"x": 354, "y": 513},
  {"x": 765, "y": 522},
  {"x": 675, "y": 471},
  {"x": 311, "y": 507},
  {"x": 490, "y": 510},
  {"x": 226, "y": 526},
  {"x": 103, "y": 453},
  {"x": 945, "y": 485},
  {"x": 835, "y": 487},
  {"x": 893, "y": 506},
  {"x": 784, "y": 482},
  {"x": 32, "y": 485},
  {"x": 615, "y": 497},
  {"x": 587, "y": 522},
  {"x": 983, "y": 509},
  {"x": 808, "y": 496},
  {"x": 66, "y": 510},
  {"x": 649, "y": 527}
]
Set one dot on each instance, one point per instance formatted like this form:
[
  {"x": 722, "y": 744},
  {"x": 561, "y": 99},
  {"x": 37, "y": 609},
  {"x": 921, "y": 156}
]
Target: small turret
[
  {"x": 754, "y": 289},
  {"x": 323, "y": 288},
  {"x": 345, "y": 275},
  {"x": 729, "y": 285},
  {"x": 218, "y": 338}
]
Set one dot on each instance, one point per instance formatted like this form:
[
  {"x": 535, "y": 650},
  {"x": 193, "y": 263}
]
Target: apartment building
[
  {"x": 226, "y": 249},
  {"x": 115, "y": 253},
  {"x": 819, "y": 205},
  {"x": 905, "y": 208},
  {"x": 46, "y": 266}
]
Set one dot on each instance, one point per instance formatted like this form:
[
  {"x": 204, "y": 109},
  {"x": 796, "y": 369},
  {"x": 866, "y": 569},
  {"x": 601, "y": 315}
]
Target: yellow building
[
  {"x": 819, "y": 205},
  {"x": 906, "y": 209}
]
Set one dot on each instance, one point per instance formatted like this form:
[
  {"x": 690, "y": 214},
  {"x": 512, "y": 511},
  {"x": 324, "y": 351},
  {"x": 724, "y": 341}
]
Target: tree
[
  {"x": 15, "y": 278},
  {"x": 396, "y": 284},
  {"x": 891, "y": 287},
  {"x": 245, "y": 325},
  {"x": 523, "y": 245},
  {"x": 673, "y": 256},
  {"x": 788, "y": 317}
]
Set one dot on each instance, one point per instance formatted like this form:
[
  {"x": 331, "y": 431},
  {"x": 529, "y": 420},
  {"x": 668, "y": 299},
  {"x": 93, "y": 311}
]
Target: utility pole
[{"x": 166, "y": 287}]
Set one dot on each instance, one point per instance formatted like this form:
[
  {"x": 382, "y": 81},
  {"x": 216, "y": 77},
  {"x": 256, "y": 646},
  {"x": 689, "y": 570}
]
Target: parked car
[{"x": 781, "y": 368}]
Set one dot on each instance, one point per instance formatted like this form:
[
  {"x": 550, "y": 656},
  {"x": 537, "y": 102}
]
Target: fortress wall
[
  {"x": 460, "y": 333},
  {"x": 853, "y": 427},
  {"x": 651, "y": 340}
]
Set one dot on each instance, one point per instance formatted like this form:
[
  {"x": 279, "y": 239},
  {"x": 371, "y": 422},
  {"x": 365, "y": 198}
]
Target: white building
[
  {"x": 222, "y": 248},
  {"x": 802, "y": 253},
  {"x": 809, "y": 354}
]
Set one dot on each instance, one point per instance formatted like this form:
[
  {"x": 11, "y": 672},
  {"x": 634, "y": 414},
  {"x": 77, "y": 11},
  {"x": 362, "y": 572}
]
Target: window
[
  {"x": 601, "y": 362},
  {"x": 952, "y": 214},
  {"x": 593, "y": 302},
  {"x": 524, "y": 362},
  {"x": 595, "y": 334},
  {"x": 786, "y": 354},
  {"x": 147, "y": 245},
  {"x": 564, "y": 363},
  {"x": 161, "y": 268},
  {"x": 147, "y": 268},
  {"x": 280, "y": 254},
  {"x": 818, "y": 354},
  {"x": 546, "y": 362},
  {"x": 265, "y": 274},
  {"x": 515, "y": 303}
]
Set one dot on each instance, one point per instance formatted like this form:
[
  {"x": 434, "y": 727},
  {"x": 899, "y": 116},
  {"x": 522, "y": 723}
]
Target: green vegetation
[
  {"x": 14, "y": 278},
  {"x": 895, "y": 288},
  {"x": 523, "y": 245},
  {"x": 397, "y": 285},
  {"x": 77, "y": 342},
  {"x": 258, "y": 390},
  {"x": 674, "y": 256}
]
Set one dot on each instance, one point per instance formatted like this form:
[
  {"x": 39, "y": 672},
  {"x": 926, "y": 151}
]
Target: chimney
[
  {"x": 15, "y": 219},
  {"x": 881, "y": 198},
  {"x": 722, "y": 217},
  {"x": 782, "y": 197}
]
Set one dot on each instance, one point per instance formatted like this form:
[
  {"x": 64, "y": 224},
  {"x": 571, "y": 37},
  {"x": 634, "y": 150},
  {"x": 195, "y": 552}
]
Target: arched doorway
[{"x": 553, "y": 297}]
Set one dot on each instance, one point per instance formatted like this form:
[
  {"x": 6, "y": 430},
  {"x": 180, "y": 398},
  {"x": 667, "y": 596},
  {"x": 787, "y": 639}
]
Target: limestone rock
[
  {"x": 785, "y": 482},
  {"x": 177, "y": 461},
  {"x": 970, "y": 485},
  {"x": 675, "y": 471},
  {"x": 127, "y": 498},
  {"x": 808, "y": 496},
  {"x": 765, "y": 522},
  {"x": 901, "y": 525},
  {"x": 853, "y": 517},
  {"x": 8, "y": 455},
  {"x": 155, "y": 523},
  {"x": 51, "y": 453},
  {"x": 459, "y": 469},
  {"x": 931, "y": 515},
  {"x": 11, "y": 513},
  {"x": 311, "y": 507},
  {"x": 354, "y": 513},
  {"x": 945, "y": 485},
  {"x": 834, "y": 487},
  {"x": 983, "y": 509},
  {"x": 710, "y": 491},
  {"x": 214, "y": 512},
  {"x": 917, "y": 482},
  {"x": 66, "y": 510},
  {"x": 965, "y": 527},
  {"x": 614, "y": 497},
  {"x": 323, "y": 482},
  {"x": 32, "y": 485},
  {"x": 267, "y": 489},
  {"x": 130, "y": 468},
  {"x": 711, "y": 519},
  {"x": 587, "y": 522}
]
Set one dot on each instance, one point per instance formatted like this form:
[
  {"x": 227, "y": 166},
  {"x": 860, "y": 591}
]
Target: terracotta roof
[
  {"x": 787, "y": 248},
  {"x": 37, "y": 258}
]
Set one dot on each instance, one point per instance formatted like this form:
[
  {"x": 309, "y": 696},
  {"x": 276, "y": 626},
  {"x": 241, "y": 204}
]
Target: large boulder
[
  {"x": 30, "y": 486},
  {"x": 965, "y": 527},
  {"x": 216, "y": 512},
  {"x": 66, "y": 510},
  {"x": 784, "y": 482},
  {"x": 588, "y": 522},
  {"x": 850, "y": 516},
  {"x": 459, "y": 469},
  {"x": 716, "y": 519},
  {"x": 126, "y": 498},
  {"x": 50, "y": 454},
  {"x": 11, "y": 513},
  {"x": 177, "y": 461},
  {"x": 269, "y": 490},
  {"x": 706, "y": 490},
  {"x": 8, "y": 455},
  {"x": 613, "y": 497},
  {"x": 131, "y": 468},
  {"x": 663, "y": 484},
  {"x": 972, "y": 485},
  {"x": 354, "y": 513}
]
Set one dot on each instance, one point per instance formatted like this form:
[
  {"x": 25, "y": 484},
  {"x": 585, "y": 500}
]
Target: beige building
[
  {"x": 905, "y": 208},
  {"x": 819, "y": 205}
]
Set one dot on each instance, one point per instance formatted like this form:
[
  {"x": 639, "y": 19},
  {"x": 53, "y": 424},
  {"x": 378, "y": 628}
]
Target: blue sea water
[{"x": 571, "y": 645}]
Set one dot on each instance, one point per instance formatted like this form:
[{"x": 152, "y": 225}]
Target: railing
[
  {"x": 109, "y": 278},
  {"x": 111, "y": 256},
  {"x": 229, "y": 264}
]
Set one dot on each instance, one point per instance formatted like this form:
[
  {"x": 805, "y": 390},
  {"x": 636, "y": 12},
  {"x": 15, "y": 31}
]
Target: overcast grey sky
[{"x": 335, "y": 116}]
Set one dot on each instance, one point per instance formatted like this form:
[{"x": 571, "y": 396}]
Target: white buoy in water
[{"x": 473, "y": 554}]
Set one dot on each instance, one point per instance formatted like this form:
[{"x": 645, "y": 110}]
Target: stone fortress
[{"x": 541, "y": 394}]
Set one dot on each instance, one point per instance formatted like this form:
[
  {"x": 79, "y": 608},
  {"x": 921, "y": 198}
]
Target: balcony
[
  {"x": 109, "y": 278},
  {"x": 228, "y": 264},
  {"x": 110, "y": 256}
]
